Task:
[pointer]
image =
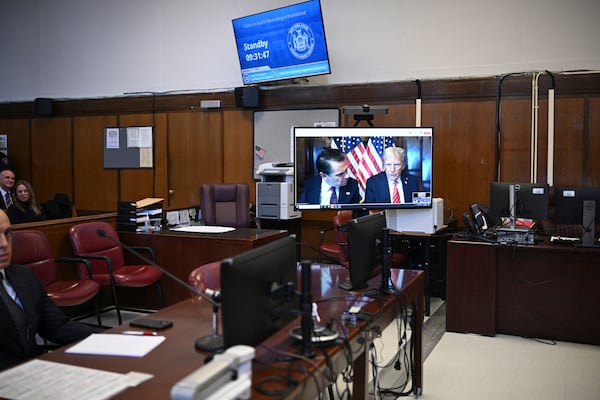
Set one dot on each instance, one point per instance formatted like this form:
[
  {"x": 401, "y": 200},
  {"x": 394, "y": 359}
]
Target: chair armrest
[
  {"x": 322, "y": 233},
  {"x": 106, "y": 259},
  {"x": 77, "y": 260},
  {"x": 150, "y": 250}
]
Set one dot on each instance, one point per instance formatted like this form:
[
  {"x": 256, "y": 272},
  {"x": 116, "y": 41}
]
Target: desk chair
[
  {"x": 108, "y": 261},
  {"x": 226, "y": 204},
  {"x": 207, "y": 276},
  {"x": 32, "y": 249},
  {"x": 337, "y": 248}
]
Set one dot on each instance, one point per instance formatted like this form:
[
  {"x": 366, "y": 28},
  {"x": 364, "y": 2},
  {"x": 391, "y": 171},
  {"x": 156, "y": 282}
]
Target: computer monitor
[
  {"x": 257, "y": 292},
  {"x": 580, "y": 206},
  {"x": 364, "y": 249},
  {"x": 530, "y": 201}
]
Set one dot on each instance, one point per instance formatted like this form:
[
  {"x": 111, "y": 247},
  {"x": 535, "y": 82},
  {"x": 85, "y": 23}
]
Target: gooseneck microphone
[{"x": 212, "y": 342}]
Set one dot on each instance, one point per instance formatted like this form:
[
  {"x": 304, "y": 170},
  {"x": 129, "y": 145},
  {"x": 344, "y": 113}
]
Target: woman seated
[{"x": 25, "y": 208}]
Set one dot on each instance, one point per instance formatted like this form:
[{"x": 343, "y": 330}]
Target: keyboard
[{"x": 565, "y": 240}]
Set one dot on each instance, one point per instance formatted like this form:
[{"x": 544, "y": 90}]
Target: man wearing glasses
[{"x": 393, "y": 184}]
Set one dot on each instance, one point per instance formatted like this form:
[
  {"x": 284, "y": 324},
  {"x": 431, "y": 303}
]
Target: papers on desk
[
  {"x": 204, "y": 229},
  {"x": 107, "y": 344},
  {"x": 40, "y": 379}
]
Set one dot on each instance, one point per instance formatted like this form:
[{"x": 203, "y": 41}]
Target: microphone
[
  {"x": 209, "y": 343},
  {"x": 102, "y": 233}
]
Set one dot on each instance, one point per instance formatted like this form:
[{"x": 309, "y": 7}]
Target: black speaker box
[
  {"x": 247, "y": 96},
  {"x": 43, "y": 107}
]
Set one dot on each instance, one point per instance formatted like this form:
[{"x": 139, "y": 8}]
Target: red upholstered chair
[
  {"x": 32, "y": 249},
  {"x": 226, "y": 204},
  {"x": 207, "y": 276},
  {"x": 108, "y": 261},
  {"x": 337, "y": 248}
]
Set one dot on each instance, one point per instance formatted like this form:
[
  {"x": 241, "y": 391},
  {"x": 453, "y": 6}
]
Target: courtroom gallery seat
[
  {"x": 32, "y": 249},
  {"x": 226, "y": 204},
  {"x": 108, "y": 261}
]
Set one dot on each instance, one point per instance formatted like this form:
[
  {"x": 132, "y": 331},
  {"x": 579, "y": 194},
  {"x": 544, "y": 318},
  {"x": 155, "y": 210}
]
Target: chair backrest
[
  {"x": 86, "y": 241},
  {"x": 226, "y": 204},
  {"x": 32, "y": 249},
  {"x": 340, "y": 236},
  {"x": 207, "y": 276}
]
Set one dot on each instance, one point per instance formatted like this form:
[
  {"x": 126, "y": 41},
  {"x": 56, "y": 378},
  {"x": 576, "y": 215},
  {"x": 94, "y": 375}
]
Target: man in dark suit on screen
[
  {"x": 393, "y": 184},
  {"x": 332, "y": 185},
  {"x": 26, "y": 309}
]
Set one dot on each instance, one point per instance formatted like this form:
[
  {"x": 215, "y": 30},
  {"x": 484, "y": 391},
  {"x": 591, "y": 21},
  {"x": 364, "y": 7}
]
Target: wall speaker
[
  {"x": 247, "y": 96},
  {"x": 42, "y": 107}
]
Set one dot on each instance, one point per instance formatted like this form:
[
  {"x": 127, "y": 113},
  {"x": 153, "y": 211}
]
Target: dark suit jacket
[
  {"x": 44, "y": 317},
  {"x": 349, "y": 193},
  {"x": 377, "y": 190},
  {"x": 2, "y": 202}
]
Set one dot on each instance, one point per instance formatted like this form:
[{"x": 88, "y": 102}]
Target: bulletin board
[
  {"x": 128, "y": 147},
  {"x": 274, "y": 136}
]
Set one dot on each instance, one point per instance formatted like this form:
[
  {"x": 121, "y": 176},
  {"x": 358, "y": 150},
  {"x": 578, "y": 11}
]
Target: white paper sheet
[
  {"x": 204, "y": 229},
  {"x": 111, "y": 344}
]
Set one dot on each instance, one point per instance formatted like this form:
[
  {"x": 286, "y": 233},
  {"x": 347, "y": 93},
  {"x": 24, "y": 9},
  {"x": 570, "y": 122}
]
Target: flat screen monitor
[
  {"x": 366, "y": 185},
  {"x": 530, "y": 201},
  {"x": 568, "y": 204},
  {"x": 257, "y": 291},
  {"x": 285, "y": 43},
  {"x": 365, "y": 249}
]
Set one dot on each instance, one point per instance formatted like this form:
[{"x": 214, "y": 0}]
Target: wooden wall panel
[
  {"x": 591, "y": 156},
  {"x": 195, "y": 154},
  {"x": 51, "y": 157},
  {"x": 463, "y": 152},
  {"x": 569, "y": 142},
  {"x": 135, "y": 184},
  {"x": 96, "y": 188},
  {"x": 238, "y": 142},
  {"x": 18, "y": 146}
]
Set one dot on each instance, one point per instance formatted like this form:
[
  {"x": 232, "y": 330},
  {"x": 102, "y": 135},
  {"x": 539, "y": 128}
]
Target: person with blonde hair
[{"x": 25, "y": 208}]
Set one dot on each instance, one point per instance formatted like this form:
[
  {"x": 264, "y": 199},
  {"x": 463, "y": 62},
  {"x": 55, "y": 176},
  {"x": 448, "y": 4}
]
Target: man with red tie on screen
[
  {"x": 393, "y": 184},
  {"x": 332, "y": 185}
]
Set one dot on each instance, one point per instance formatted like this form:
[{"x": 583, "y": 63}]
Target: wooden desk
[
  {"x": 541, "y": 291},
  {"x": 181, "y": 252},
  {"x": 176, "y": 357}
]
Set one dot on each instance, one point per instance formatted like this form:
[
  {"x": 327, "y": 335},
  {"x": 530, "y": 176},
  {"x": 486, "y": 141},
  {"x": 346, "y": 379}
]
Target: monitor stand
[{"x": 589, "y": 220}]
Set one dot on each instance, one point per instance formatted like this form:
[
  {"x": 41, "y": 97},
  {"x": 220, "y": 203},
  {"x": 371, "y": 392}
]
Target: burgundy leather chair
[
  {"x": 108, "y": 261},
  {"x": 337, "y": 248},
  {"x": 226, "y": 204},
  {"x": 32, "y": 249},
  {"x": 207, "y": 276}
]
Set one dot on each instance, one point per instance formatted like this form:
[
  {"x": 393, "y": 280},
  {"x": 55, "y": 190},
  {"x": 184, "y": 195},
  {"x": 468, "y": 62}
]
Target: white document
[
  {"x": 204, "y": 229},
  {"x": 40, "y": 379},
  {"x": 114, "y": 344}
]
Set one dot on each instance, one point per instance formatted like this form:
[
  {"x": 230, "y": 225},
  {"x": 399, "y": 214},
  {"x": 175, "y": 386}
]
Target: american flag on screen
[{"x": 364, "y": 160}]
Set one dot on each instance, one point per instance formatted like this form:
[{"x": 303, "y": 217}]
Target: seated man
[
  {"x": 332, "y": 185},
  {"x": 26, "y": 309},
  {"x": 393, "y": 184}
]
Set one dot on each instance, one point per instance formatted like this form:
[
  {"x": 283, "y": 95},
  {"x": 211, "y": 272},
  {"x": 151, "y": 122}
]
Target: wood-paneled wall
[{"x": 63, "y": 153}]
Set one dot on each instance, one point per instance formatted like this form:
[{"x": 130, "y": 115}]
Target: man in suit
[
  {"x": 41, "y": 315},
  {"x": 332, "y": 185},
  {"x": 7, "y": 182},
  {"x": 393, "y": 184}
]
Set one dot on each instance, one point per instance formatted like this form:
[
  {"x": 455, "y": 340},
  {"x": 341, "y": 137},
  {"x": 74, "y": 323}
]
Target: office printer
[{"x": 275, "y": 191}]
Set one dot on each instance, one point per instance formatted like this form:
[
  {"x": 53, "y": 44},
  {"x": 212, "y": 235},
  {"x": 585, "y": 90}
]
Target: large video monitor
[
  {"x": 530, "y": 201},
  {"x": 568, "y": 204},
  {"x": 257, "y": 292},
  {"x": 284, "y": 43},
  {"x": 365, "y": 249},
  {"x": 367, "y": 184}
]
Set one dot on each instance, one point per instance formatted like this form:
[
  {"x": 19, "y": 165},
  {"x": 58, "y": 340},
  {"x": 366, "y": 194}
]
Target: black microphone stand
[
  {"x": 212, "y": 343},
  {"x": 386, "y": 265}
]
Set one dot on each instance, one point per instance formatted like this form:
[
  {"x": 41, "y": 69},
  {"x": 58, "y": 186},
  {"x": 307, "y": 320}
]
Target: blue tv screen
[{"x": 284, "y": 43}]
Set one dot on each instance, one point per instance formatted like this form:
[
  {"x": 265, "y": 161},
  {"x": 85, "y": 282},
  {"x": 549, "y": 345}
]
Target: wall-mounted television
[
  {"x": 363, "y": 180},
  {"x": 284, "y": 43}
]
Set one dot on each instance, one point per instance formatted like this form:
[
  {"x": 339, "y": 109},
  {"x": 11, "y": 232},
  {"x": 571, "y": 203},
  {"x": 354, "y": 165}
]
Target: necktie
[
  {"x": 396, "y": 194},
  {"x": 16, "y": 312},
  {"x": 333, "y": 199},
  {"x": 8, "y": 199}
]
